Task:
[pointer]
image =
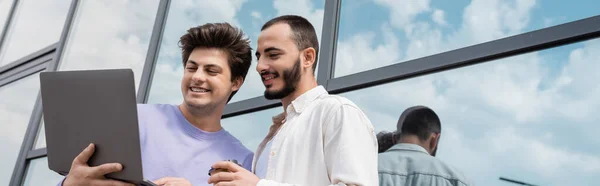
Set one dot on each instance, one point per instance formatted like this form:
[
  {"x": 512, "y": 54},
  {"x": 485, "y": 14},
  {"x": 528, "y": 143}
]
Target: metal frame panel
[
  {"x": 152, "y": 55},
  {"x": 6, "y": 25},
  {"x": 27, "y": 69},
  {"x": 34, "y": 122},
  {"x": 31, "y": 132},
  {"x": 37, "y": 153},
  {"x": 64, "y": 36},
  {"x": 555, "y": 36},
  {"x": 25, "y": 60},
  {"x": 331, "y": 19}
]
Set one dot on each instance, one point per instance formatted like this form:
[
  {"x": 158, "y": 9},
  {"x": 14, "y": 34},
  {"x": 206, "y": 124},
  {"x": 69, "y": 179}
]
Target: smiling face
[
  {"x": 206, "y": 82},
  {"x": 279, "y": 63}
]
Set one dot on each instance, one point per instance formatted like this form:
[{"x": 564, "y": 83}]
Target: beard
[{"x": 291, "y": 78}]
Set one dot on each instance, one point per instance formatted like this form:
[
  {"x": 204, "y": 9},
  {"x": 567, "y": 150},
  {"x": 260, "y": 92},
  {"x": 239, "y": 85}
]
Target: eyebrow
[
  {"x": 267, "y": 50},
  {"x": 271, "y": 49},
  {"x": 212, "y": 66},
  {"x": 192, "y": 62}
]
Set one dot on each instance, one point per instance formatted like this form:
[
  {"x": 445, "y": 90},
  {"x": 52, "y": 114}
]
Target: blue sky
[{"x": 530, "y": 117}]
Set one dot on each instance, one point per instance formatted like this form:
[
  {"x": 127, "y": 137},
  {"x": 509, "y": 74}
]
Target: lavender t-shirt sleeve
[
  {"x": 248, "y": 162},
  {"x": 61, "y": 182}
]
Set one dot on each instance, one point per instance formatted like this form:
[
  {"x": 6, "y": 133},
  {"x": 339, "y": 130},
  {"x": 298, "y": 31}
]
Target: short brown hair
[
  {"x": 304, "y": 33},
  {"x": 221, "y": 36}
]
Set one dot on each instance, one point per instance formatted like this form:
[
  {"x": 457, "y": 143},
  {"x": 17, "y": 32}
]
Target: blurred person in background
[{"x": 407, "y": 156}]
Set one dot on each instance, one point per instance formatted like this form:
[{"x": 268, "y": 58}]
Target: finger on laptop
[
  {"x": 106, "y": 168},
  {"x": 85, "y": 155}
]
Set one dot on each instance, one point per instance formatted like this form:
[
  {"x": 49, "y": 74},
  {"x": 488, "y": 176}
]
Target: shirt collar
[
  {"x": 408, "y": 147},
  {"x": 300, "y": 103}
]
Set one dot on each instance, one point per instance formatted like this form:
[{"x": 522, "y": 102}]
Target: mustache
[{"x": 265, "y": 72}]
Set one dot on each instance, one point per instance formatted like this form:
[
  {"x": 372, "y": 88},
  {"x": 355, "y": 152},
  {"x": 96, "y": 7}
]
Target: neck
[
  {"x": 206, "y": 120},
  {"x": 412, "y": 139},
  {"x": 307, "y": 82}
]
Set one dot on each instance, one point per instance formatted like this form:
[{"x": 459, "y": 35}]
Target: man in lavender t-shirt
[{"x": 179, "y": 143}]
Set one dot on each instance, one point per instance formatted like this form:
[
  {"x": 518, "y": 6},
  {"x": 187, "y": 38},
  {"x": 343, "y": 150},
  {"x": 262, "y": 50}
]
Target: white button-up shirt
[{"x": 321, "y": 140}]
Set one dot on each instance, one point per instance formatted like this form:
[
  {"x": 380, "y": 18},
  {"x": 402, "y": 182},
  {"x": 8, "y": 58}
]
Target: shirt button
[{"x": 272, "y": 153}]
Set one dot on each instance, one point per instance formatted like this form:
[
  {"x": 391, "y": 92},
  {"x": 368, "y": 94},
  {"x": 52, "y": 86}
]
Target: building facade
[{"x": 513, "y": 81}]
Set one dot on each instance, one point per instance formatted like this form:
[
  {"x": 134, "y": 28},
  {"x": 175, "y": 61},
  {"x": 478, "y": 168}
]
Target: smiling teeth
[
  {"x": 269, "y": 78},
  {"x": 198, "y": 90}
]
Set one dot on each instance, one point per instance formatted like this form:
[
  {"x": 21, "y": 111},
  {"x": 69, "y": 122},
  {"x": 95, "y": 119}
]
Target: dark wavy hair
[
  {"x": 221, "y": 36},
  {"x": 385, "y": 140}
]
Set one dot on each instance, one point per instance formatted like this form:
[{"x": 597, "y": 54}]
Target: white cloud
[
  {"x": 256, "y": 15},
  {"x": 35, "y": 25},
  {"x": 166, "y": 85},
  {"x": 404, "y": 12},
  {"x": 423, "y": 41},
  {"x": 107, "y": 35},
  {"x": 455, "y": 148},
  {"x": 576, "y": 88},
  {"x": 257, "y": 21},
  {"x": 538, "y": 156},
  {"x": 509, "y": 86},
  {"x": 438, "y": 16},
  {"x": 357, "y": 53},
  {"x": 515, "y": 14},
  {"x": 486, "y": 20}
]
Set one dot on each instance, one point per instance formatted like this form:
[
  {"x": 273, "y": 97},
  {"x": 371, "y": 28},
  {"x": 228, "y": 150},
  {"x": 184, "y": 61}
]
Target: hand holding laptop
[{"x": 82, "y": 174}]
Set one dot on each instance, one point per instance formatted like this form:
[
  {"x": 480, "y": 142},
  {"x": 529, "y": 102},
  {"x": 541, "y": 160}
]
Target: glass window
[
  {"x": 248, "y": 15},
  {"x": 531, "y": 118},
  {"x": 109, "y": 35},
  {"x": 16, "y": 105},
  {"x": 397, "y": 31},
  {"x": 38, "y": 173},
  {"x": 251, "y": 128},
  {"x": 40, "y": 139},
  {"x": 36, "y": 24},
  {"x": 5, "y": 6}
]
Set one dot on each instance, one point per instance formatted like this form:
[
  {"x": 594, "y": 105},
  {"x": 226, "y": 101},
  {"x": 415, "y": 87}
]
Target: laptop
[{"x": 92, "y": 106}]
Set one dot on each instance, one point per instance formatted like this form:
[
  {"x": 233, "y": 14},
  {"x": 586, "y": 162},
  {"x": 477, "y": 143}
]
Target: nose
[
  {"x": 199, "y": 77},
  {"x": 261, "y": 66}
]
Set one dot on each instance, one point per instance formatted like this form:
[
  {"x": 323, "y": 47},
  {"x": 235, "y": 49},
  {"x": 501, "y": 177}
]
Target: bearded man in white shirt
[{"x": 319, "y": 139}]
